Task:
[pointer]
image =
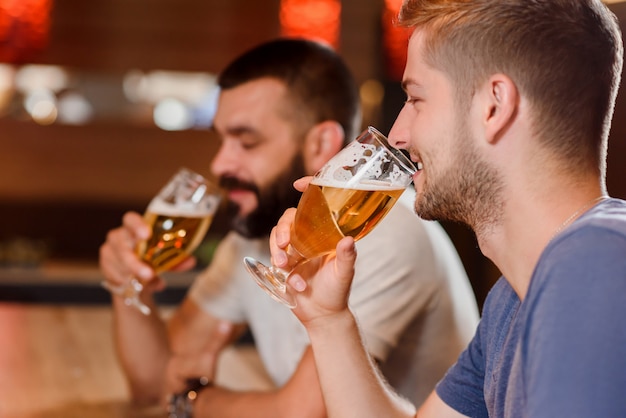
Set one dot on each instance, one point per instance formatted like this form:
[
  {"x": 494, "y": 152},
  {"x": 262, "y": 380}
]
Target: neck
[{"x": 530, "y": 221}]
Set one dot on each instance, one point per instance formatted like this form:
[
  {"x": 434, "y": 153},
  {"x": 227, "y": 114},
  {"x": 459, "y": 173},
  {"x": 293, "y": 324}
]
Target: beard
[
  {"x": 468, "y": 191},
  {"x": 272, "y": 201}
]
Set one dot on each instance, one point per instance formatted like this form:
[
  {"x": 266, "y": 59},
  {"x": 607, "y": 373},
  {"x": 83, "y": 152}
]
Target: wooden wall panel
[
  {"x": 189, "y": 35},
  {"x": 98, "y": 163}
]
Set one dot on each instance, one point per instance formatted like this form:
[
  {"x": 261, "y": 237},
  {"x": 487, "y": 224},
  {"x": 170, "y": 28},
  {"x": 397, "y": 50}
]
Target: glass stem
[{"x": 295, "y": 259}]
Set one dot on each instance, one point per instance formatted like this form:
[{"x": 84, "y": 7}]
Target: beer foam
[
  {"x": 369, "y": 185},
  {"x": 362, "y": 166},
  {"x": 184, "y": 208}
]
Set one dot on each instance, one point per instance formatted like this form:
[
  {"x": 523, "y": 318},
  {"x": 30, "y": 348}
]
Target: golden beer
[
  {"x": 326, "y": 214},
  {"x": 174, "y": 237},
  {"x": 348, "y": 196}
]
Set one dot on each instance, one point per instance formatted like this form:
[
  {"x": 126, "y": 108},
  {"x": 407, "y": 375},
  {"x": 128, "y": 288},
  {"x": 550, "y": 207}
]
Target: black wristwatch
[{"x": 181, "y": 404}]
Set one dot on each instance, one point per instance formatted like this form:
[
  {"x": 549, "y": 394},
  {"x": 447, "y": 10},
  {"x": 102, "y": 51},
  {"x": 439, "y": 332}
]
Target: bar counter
[
  {"x": 57, "y": 358},
  {"x": 59, "y": 361}
]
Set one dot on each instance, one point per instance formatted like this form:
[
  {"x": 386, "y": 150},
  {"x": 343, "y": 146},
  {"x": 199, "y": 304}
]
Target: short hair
[
  {"x": 318, "y": 81},
  {"x": 565, "y": 56}
]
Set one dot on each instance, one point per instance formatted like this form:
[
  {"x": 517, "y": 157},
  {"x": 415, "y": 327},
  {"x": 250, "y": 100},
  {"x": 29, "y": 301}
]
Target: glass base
[
  {"x": 130, "y": 292},
  {"x": 266, "y": 279}
]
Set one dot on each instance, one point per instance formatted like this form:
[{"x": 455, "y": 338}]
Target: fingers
[
  {"x": 302, "y": 183},
  {"x": 279, "y": 238},
  {"x": 118, "y": 260},
  {"x": 176, "y": 372},
  {"x": 135, "y": 225},
  {"x": 297, "y": 282},
  {"x": 344, "y": 259},
  {"x": 184, "y": 366}
]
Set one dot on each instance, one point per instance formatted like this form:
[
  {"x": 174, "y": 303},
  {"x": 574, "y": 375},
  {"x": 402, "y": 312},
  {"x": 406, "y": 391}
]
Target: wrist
[
  {"x": 181, "y": 405},
  {"x": 336, "y": 323}
]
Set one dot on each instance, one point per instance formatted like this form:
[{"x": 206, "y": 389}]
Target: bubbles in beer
[{"x": 179, "y": 217}]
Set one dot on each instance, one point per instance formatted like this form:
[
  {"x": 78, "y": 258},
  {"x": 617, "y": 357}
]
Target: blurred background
[{"x": 102, "y": 100}]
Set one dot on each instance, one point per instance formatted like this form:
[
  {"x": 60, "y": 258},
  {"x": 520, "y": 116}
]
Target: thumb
[{"x": 346, "y": 257}]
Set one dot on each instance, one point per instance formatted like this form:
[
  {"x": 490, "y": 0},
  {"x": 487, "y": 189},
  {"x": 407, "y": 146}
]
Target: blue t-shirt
[{"x": 562, "y": 351}]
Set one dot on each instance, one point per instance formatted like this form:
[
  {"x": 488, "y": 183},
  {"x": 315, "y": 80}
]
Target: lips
[
  {"x": 233, "y": 194},
  {"x": 416, "y": 161}
]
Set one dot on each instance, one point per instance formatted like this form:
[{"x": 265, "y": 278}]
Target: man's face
[
  {"x": 456, "y": 182},
  {"x": 259, "y": 157}
]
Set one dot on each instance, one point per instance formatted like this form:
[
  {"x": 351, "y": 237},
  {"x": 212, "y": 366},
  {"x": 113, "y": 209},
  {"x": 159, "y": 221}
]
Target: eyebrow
[
  {"x": 235, "y": 130},
  {"x": 239, "y": 130},
  {"x": 410, "y": 81}
]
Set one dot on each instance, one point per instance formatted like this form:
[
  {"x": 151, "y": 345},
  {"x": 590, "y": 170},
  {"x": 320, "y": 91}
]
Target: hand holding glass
[
  {"x": 180, "y": 215},
  {"x": 347, "y": 197}
]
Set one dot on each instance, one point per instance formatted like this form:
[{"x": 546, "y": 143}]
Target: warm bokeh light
[
  {"x": 172, "y": 115},
  {"x": 395, "y": 40},
  {"x": 24, "y": 28},
  {"x": 319, "y": 20},
  {"x": 372, "y": 92}
]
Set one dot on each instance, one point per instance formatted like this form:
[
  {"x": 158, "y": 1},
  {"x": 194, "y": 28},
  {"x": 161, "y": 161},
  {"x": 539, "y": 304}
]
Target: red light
[
  {"x": 319, "y": 20},
  {"x": 24, "y": 28},
  {"x": 395, "y": 40}
]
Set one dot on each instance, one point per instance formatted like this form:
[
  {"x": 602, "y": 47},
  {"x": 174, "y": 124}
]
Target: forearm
[
  {"x": 300, "y": 397},
  {"x": 222, "y": 403},
  {"x": 142, "y": 350},
  {"x": 351, "y": 384}
]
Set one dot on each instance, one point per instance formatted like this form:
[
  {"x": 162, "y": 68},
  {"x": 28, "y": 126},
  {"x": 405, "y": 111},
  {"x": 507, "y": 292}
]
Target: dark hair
[{"x": 317, "y": 79}]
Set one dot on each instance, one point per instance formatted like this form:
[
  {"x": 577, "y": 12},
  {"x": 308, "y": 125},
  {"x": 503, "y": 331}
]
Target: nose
[
  {"x": 399, "y": 134},
  {"x": 226, "y": 160}
]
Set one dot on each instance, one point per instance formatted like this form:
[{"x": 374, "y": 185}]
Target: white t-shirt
[{"x": 411, "y": 297}]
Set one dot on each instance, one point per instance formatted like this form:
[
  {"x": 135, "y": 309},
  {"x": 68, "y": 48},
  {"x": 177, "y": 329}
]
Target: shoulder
[
  {"x": 574, "y": 305},
  {"x": 604, "y": 220},
  {"x": 586, "y": 264},
  {"x": 594, "y": 244}
]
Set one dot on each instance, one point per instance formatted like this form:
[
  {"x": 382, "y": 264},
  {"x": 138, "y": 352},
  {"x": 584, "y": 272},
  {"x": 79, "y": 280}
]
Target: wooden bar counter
[
  {"x": 59, "y": 361},
  {"x": 57, "y": 355}
]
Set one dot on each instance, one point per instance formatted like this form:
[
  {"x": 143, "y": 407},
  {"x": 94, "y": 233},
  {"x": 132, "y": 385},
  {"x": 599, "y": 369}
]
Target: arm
[
  {"x": 157, "y": 358},
  {"x": 300, "y": 397},
  {"x": 350, "y": 383},
  {"x": 196, "y": 339},
  {"x": 193, "y": 356},
  {"x": 141, "y": 341}
]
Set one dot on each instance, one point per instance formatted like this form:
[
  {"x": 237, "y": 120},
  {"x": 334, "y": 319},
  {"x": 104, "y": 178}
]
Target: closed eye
[{"x": 412, "y": 100}]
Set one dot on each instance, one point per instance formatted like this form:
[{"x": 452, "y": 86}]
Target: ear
[
  {"x": 322, "y": 142},
  {"x": 501, "y": 106}
]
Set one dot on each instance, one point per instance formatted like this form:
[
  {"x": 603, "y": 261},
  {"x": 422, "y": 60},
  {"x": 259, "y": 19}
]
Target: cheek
[{"x": 268, "y": 170}]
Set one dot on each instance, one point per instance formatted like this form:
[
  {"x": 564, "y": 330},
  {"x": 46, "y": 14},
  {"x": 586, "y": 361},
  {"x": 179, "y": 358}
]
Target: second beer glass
[
  {"x": 179, "y": 215},
  {"x": 347, "y": 197}
]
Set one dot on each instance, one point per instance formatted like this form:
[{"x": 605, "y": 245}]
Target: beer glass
[
  {"x": 180, "y": 215},
  {"x": 347, "y": 197}
]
